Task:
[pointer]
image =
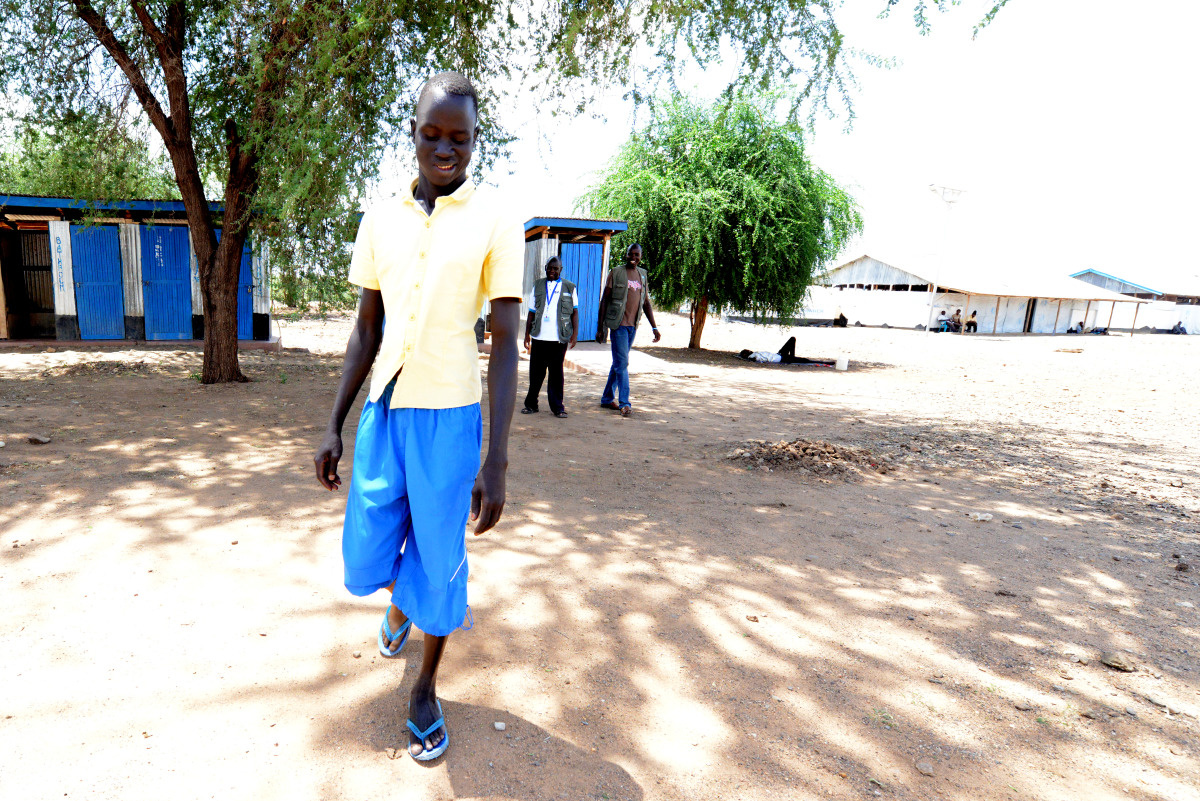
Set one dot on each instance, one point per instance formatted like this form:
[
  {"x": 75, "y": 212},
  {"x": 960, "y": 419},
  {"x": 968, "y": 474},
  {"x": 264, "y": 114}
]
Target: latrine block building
[{"x": 126, "y": 269}]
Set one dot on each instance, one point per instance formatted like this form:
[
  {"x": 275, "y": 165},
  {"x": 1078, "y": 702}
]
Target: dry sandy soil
[{"x": 653, "y": 619}]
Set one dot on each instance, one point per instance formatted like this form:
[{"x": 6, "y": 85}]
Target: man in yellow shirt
[{"x": 427, "y": 260}]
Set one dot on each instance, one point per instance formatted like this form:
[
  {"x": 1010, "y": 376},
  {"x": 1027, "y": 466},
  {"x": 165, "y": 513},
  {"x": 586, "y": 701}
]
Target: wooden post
[
  {"x": 1137, "y": 307},
  {"x": 1110, "y": 315},
  {"x": 966, "y": 312},
  {"x": 996, "y": 319},
  {"x": 1056, "y": 316}
]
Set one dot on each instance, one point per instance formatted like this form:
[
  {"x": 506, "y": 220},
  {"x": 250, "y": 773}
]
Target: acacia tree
[
  {"x": 727, "y": 207},
  {"x": 287, "y": 106}
]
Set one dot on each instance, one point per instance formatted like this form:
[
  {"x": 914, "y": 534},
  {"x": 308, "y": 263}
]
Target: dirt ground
[{"x": 658, "y": 615}]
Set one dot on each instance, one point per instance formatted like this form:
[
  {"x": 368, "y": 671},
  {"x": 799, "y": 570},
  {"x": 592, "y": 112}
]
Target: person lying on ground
[{"x": 785, "y": 355}]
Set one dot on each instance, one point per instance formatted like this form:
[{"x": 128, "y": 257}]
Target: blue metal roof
[
  {"x": 1120, "y": 280},
  {"x": 35, "y": 202},
  {"x": 577, "y": 224}
]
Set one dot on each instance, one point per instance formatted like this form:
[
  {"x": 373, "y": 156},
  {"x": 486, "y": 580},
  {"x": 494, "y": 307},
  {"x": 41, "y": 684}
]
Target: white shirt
[
  {"x": 549, "y": 330},
  {"x": 766, "y": 357}
]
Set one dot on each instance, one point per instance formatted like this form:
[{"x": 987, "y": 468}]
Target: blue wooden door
[
  {"x": 99, "y": 297},
  {"x": 583, "y": 265},
  {"x": 166, "y": 281},
  {"x": 245, "y": 296}
]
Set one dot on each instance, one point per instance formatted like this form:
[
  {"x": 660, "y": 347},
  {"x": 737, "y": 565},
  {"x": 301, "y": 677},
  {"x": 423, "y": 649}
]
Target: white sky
[{"x": 1071, "y": 124}]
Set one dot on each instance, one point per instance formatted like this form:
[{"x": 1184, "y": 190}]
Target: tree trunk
[
  {"x": 219, "y": 286},
  {"x": 698, "y": 315},
  {"x": 219, "y": 290}
]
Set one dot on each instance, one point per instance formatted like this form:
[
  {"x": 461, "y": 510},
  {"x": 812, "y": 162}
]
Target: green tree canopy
[
  {"x": 90, "y": 155},
  {"x": 728, "y": 209}
]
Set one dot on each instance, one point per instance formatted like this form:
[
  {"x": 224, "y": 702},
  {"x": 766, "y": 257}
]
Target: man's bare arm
[
  {"x": 487, "y": 498},
  {"x": 360, "y": 355},
  {"x": 648, "y": 310},
  {"x": 529, "y": 329}
]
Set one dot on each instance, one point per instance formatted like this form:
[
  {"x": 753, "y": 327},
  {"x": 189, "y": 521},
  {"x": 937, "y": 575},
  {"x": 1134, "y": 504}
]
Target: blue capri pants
[{"x": 407, "y": 508}]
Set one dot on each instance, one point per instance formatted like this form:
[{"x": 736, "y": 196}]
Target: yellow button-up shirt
[{"x": 434, "y": 272}]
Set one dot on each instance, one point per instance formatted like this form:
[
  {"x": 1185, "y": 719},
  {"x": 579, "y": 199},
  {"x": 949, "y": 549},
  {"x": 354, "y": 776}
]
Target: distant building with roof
[
  {"x": 1180, "y": 291},
  {"x": 870, "y": 291},
  {"x": 73, "y": 269}
]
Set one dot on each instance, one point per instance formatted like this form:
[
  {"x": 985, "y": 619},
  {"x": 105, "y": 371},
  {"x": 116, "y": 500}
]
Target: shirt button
[
  {"x": 417, "y": 285},
  {"x": 412, "y": 317},
  {"x": 422, "y": 254},
  {"x": 427, "y": 223}
]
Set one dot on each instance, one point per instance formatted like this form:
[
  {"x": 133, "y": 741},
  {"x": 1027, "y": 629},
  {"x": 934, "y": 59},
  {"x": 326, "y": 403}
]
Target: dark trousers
[
  {"x": 543, "y": 357},
  {"x": 972, "y": 327}
]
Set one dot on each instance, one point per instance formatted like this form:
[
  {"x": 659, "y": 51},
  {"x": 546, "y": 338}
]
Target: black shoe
[{"x": 527, "y": 410}]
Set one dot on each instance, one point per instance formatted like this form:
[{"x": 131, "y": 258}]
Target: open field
[{"x": 653, "y": 619}]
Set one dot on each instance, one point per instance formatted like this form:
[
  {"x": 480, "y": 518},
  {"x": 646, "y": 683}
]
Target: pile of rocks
[{"x": 814, "y": 456}]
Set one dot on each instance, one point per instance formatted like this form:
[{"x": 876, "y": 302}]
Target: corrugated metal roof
[
  {"x": 1135, "y": 286},
  {"x": 578, "y": 223},
  {"x": 994, "y": 282},
  {"x": 44, "y": 202}
]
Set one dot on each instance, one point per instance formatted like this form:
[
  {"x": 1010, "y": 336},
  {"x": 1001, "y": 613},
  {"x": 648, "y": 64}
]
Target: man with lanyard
[
  {"x": 427, "y": 260},
  {"x": 551, "y": 328},
  {"x": 625, "y": 297}
]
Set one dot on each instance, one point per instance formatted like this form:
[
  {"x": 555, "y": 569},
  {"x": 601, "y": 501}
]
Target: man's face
[
  {"x": 553, "y": 270},
  {"x": 444, "y": 132},
  {"x": 635, "y": 256}
]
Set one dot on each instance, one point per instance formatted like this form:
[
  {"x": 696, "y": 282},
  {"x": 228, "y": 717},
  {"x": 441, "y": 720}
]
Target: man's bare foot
[
  {"x": 423, "y": 711},
  {"x": 395, "y": 619}
]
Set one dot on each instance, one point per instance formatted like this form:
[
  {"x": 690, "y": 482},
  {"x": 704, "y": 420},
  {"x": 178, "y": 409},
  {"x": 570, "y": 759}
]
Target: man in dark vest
[
  {"x": 625, "y": 297},
  {"x": 551, "y": 328}
]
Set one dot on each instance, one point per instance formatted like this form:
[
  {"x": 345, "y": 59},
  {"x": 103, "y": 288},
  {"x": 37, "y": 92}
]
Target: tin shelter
[
  {"x": 1177, "y": 303},
  {"x": 873, "y": 292},
  {"x": 76, "y": 270}
]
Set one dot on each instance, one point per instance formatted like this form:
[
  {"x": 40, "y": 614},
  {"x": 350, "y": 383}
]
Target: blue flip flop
[
  {"x": 431, "y": 753},
  {"x": 384, "y": 631}
]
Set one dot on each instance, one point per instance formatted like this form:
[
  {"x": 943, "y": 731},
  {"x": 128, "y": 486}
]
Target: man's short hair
[
  {"x": 632, "y": 245},
  {"x": 553, "y": 259},
  {"x": 452, "y": 83}
]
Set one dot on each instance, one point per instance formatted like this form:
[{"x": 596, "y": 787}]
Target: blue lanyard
[{"x": 550, "y": 295}]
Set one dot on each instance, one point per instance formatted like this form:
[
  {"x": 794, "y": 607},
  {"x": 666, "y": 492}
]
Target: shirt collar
[{"x": 458, "y": 196}]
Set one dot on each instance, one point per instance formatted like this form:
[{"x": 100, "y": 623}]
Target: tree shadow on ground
[{"x": 651, "y": 619}]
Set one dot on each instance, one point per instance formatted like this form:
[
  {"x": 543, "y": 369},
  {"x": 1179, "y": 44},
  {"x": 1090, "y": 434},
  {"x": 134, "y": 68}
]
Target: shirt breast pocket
[{"x": 392, "y": 256}]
